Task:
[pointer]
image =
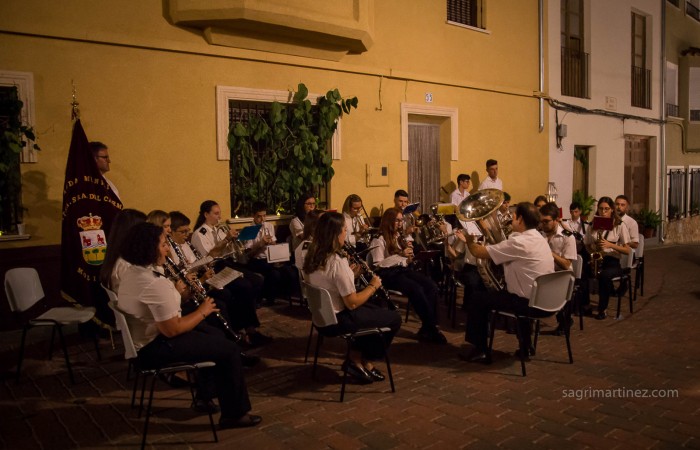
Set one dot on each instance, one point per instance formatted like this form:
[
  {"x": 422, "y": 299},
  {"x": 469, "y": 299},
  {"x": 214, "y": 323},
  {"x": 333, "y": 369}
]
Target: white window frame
[
  {"x": 25, "y": 90},
  {"x": 687, "y": 189},
  {"x": 226, "y": 93},
  {"x": 451, "y": 113}
]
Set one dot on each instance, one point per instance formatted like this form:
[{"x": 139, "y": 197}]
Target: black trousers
[
  {"x": 279, "y": 280},
  {"x": 478, "y": 317},
  {"x": 610, "y": 269},
  {"x": 369, "y": 315},
  {"x": 473, "y": 283},
  {"x": 205, "y": 343},
  {"x": 422, "y": 292}
]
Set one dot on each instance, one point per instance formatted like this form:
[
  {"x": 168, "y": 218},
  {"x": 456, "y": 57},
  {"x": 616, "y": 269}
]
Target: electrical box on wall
[{"x": 377, "y": 175}]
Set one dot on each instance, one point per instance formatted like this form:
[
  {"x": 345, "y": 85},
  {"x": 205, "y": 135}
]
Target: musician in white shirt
[
  {"x": 491, "y": 181},
  {"x": 355, "y": 224},
  {"x": 463, "y": 186},
  {"x": 622, "y": 205}
]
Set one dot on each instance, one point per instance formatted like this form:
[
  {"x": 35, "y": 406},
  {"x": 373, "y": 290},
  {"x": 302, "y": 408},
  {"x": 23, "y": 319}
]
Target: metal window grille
[
  {"x": 466, "y": 12},
  {"x": 695, "y": 115},
  {"x": 10, "y": 200},
  {"x": 692, "y": 10},
  {"x": 238, "y": 112},
  {"x": 694, "y": 191},
  {"x": 672, "y": 110},
  {"x": 574, "y": 73},
  {"x": 676, "y": 193},
  {"x": 641, "y": 87}
]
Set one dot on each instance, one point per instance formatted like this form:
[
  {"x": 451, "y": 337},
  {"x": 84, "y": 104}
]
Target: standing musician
[
  {"x": 358, "y": 229},
  {"x": 305, "y": 204},
  {"x": 163, "y": 336},
  {"x": 525, "y": 255},
  {"x": 238, "y": 295},
  {"x": 612, "y": 244},
  {"x": 327, "y": 268},
  {"x": 422, "y": 292},
  {"x": 210, "y": 240}
]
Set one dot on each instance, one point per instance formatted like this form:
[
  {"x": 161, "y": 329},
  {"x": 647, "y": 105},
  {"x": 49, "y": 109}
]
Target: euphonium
[{"x": 482, "y": 209}]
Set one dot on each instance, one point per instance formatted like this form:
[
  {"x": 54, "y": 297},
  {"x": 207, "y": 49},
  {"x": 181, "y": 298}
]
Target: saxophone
[{"x": 597, "y": 256}]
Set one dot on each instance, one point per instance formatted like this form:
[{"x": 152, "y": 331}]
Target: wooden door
[{"x": 637, "y": 171}]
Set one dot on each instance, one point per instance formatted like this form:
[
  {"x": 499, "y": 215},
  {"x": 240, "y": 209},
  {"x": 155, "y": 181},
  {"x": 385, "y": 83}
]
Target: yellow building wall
[{"x": 147, "y": 89}]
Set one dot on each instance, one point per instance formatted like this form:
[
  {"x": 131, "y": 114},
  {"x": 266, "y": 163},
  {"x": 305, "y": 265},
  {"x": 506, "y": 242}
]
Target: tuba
[{"x": 482, "y": 209}]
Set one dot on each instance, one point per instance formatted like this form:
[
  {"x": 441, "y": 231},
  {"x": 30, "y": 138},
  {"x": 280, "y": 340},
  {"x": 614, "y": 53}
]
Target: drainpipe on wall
[
  {"x": 662, "y": 159},
  {"x": 540, "y": 18}
]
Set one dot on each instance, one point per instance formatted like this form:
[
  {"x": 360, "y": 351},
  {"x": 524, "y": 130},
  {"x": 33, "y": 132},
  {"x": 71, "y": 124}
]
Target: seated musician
[
  {"x": 578, "y": 228},
  {"x": 279, "y": 277},
  {"x": 211, "y": 240},
  {"x": 305, "y": 203},
  {"x": 422, "y": 292},
  {"x": 358, "y": 229},
  {"x": 160, "y": 218},
  {"x": 611, "y": 245},
  {"x": 525, "y": 255},
  {"x": 238, "y": 295},
  {"x": 151, "y": 303},
  {"x": 464, "y": 262},
  {"x": 114, "y": 266},
  {"x": 540, "y": 201},
  {"x": 401, "y": 202},
  {"x": 303, "y": 247},
  {"x": 622, "y": 206},
  {"x": 327, "y": 268},
  {"x": 563, "y": 246}
]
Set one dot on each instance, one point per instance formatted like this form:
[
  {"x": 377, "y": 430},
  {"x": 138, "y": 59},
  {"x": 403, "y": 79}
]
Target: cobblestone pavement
[{"x": 440, "y": 402}]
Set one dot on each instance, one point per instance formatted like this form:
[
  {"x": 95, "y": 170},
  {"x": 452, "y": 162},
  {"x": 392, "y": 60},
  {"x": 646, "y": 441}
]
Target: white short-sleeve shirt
[
  {"x": 337, "y": 278},
  {"x": 488, "y": 183},
  {"x": 524, "y": 256},
  {"x": 146, "y": 297},
  {"x": 619, "y": 235},
  {"x": 562, "y": 245},
  {"x": 632, "y": 227}
]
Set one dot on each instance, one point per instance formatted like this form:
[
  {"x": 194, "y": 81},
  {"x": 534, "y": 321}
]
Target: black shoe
[
  {"x": 249, "y": 360},
  {"x": 249, "y": 420},
  {"x": 375, "y": 374},
  {"x": 258, "y": 339},
  {"x": 433, "y": 336},
  {"x": 204, "y": 406},
  {"x": 601, "y": 316},
  {"x": 475, "y": 356},
  {"x": 359, "y": 374}
]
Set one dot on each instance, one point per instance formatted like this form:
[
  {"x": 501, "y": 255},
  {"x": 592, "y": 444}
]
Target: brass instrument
[
  {"x": 434, "y": 229},
  {"x": 597, "y": 256},
  {"x": 349, "y": 252},
  {"x": 235, "y": 248},
  {"x": 198, "y": 292},
  {"x": 482, "y": 209}
]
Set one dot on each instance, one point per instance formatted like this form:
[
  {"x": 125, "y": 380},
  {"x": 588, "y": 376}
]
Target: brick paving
[{"x": 440, "y": 401}]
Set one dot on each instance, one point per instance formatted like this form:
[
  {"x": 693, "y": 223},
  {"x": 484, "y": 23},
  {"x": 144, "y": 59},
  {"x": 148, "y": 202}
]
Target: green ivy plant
[
  {"x": 276, "y": 159},
  {"x": 14, "y": 136}
]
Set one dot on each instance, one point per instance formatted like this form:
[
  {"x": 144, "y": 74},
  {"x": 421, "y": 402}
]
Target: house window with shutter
[{"x": 470, "y": 13}]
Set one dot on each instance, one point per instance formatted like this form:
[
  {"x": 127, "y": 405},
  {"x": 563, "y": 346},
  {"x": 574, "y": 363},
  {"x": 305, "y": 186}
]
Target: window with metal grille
[
  {"x": 10, "y": 181},
  {"x": 674, "y": 2},
  {"x": 694, "y": 94},
  {"x": 574, "y": 60},
  {"x": 238, "y": 112},
  {"x": 466, "y": 12},
  {"x": 641, "y": 76},
  {"x": 692, "y": 9},
  {"x": 676, "y": 192},
  {"x": 671, "y": 89},
  {"x": 693, "y": 190}
]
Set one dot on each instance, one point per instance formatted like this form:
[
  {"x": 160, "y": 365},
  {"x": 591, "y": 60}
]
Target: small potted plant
[
  {"x": 649, "y": 220},
  {"x": 586, "y": 202}
]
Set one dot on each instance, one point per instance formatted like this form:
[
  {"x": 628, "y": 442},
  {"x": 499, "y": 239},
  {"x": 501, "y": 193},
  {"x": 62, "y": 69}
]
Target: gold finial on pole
[{"x": 75, "y": 112}]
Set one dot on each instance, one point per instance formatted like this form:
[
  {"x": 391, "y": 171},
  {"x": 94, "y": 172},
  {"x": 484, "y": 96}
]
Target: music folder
[
  {"x": 249, "y": 232},
  {"x": 277, "y": 253},
  {"x": 602, "y": 223},
  {"x": 410, "y": 208},
  {"x": 223, "y": 278}
]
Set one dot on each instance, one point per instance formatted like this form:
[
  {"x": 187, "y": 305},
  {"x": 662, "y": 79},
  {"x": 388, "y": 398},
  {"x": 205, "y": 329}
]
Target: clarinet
[
  {"x": 198, "y": 293},
  {"x": 349, "y": 252}
]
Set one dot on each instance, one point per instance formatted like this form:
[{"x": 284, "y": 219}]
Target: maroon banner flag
[{"x": 89, "y": 205}]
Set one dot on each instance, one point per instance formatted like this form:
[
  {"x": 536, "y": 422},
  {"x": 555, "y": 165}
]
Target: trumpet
[{"x": 236, "y": 249}]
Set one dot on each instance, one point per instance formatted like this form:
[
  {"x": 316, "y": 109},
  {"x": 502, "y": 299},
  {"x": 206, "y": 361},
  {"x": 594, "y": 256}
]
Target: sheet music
[
  {"x": 199, "y": 263},
  {"x": 223, "y": 278}
]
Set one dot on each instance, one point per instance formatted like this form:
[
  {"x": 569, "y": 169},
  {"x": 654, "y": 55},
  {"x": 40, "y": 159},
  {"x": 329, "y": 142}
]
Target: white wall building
[{"x": 604, "y": 62}]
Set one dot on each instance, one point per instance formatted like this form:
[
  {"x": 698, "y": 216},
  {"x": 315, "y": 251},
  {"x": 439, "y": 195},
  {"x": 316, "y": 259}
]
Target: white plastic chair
[
  {"x": 324, "y": 321},
  {"x": 23, "y": 289},
  {"x": 131, "y": 355},
  {"x": 550, "y": 294},
  {"x": 577, "y": 269}
]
